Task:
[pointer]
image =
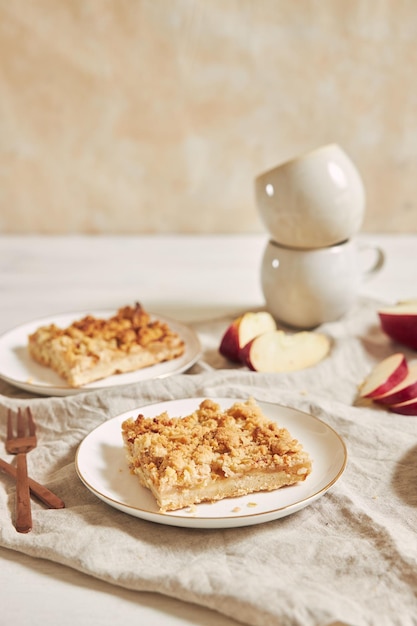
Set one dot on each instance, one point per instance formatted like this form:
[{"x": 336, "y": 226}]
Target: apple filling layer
[
  {"x": 212, "y": 454},
  {"x": 92, "y": 348}
]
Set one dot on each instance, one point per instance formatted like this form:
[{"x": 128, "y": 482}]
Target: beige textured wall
[{"x": 145, "y": 116}]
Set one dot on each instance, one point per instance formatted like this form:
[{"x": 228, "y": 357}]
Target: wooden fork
[{"x": 23, "y": 442}]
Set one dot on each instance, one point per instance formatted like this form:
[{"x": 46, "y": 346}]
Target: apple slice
[
  {"x": 242, "y": 330},
  {"x": 405, "y": 408},
  {"x": 404, "y": 391},
  {"x": 400, "y": 322},
  {"x": 385, "y": 376},
  {"x": 278, "y": 351}
]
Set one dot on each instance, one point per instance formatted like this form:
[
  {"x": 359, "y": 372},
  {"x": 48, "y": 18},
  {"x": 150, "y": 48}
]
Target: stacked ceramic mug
[{"x": 313, "y": 207}]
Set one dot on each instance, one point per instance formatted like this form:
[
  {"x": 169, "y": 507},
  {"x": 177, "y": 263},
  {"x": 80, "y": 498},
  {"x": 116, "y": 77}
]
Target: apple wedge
[
  {"x": 405, "y": 408},
  {"x": 278, "y": 351},
  {"x": 403, "y": 392},
  {"x": 385, "y": 376},
  {"x": 242, "y": 330},
  {"x": 400, "y": 322}
]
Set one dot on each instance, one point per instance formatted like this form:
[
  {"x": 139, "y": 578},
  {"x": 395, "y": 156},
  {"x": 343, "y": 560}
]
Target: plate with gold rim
[
  {"x": 19, "y": 369},
  {"x": 102, "y": 466}
]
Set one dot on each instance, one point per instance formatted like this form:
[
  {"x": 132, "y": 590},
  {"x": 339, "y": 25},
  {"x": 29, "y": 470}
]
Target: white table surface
[{"x": 186, "y": 277}]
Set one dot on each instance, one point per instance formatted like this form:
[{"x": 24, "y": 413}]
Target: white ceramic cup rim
[{"x": 282, "y": 246}]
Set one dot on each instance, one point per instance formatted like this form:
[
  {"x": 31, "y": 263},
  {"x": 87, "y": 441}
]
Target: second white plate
[
  {"x": 20, "y": 370},
  {"x": 101, "y": 465}
]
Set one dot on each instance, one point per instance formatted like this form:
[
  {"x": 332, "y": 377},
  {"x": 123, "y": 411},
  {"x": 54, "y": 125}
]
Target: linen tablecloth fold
[{"x": 350, "y": 556}]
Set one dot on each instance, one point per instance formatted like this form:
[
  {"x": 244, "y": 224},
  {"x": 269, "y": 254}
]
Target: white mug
[
  {"x": 305, "y": 288},
  {"x": 312, "y": 201}
]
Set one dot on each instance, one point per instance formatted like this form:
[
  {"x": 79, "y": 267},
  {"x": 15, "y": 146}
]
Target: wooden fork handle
[
  {"x": 23, "y": 509},
  {"x": 42, "y": 493}
]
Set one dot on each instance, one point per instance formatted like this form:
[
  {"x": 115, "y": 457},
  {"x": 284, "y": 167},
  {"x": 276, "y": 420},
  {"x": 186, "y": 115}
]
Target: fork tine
[
  {"x": 32, "y": 425},
  {"x": 9, "y": 424},
  {"x": 20, "y": 424}
]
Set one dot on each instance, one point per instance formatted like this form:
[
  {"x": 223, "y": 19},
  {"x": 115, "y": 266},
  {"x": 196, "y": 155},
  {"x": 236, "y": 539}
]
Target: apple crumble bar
[
  {"x": 92, "y": 348},
  {"x": 212, "y": 454}
]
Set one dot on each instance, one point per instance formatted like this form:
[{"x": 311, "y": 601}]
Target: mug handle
[{"x": 378, "y": 261}]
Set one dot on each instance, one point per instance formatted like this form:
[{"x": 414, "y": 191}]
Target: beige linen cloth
[{"x": 351, "y": 556}]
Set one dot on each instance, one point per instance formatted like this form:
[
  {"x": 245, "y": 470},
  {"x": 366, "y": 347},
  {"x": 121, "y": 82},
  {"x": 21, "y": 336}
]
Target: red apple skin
[
  {"x": 401, "y": 327},
  {"x": 229, "y": 345},
  {"x": 406, "y": 390},
  {"x": 406, "y": 408},
  {"x": 394, "y": 378},
  {"x": 245, "y": 356},
  {"x": 242, "y": 330}
]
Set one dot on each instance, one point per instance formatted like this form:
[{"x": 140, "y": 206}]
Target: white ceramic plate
[
  {"x": 20, "y": 370},
  {"x": 101, "y": 465}
]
